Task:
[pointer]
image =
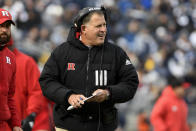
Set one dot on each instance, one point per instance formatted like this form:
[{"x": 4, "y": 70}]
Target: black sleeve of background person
[
  {"x": 127, "y": 80},
  {"x": 50, "y": 83}
]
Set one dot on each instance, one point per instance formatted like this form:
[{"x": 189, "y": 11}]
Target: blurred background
[{"x": 158, "y": 35}]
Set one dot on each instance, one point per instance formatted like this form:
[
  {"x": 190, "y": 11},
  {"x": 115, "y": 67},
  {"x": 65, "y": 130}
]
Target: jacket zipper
[{"x": 87, "y": 68}]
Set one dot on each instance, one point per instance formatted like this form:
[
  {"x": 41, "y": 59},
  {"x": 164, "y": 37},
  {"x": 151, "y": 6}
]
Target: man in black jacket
[{"x": 87, "y": 64}]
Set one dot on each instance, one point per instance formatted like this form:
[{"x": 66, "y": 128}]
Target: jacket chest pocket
[{"x": 102, "y": 75}]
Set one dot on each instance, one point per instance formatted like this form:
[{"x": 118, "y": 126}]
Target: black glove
[{"x": 28, "y": 122}]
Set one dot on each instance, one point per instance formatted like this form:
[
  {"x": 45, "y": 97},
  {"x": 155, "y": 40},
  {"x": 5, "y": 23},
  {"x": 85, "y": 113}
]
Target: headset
[{"x": 84, "y": 12}]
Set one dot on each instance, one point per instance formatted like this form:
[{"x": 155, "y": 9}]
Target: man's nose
[{"x": 103, "y": 28}]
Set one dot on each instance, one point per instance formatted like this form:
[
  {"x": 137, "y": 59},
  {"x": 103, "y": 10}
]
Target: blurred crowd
[{"x": 158, "y": 35}]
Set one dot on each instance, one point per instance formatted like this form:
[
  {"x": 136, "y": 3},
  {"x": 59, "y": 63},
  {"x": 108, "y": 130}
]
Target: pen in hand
[{"x": 72, "y": 107}]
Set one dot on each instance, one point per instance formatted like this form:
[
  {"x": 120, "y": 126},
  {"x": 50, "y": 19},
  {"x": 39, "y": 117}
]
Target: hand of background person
[
  {"x": 28, "y": 122},
  {"x": 76, "y": 100},
  {"x": 16, "y": 128},
  {"x": 100, "y": 95}
]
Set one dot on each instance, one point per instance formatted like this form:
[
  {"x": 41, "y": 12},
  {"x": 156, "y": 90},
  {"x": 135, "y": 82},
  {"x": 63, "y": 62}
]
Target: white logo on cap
[{"x": 4, "y": 13}]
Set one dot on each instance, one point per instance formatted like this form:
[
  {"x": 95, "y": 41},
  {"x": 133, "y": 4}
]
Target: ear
[{"x": 83, "y": 28}]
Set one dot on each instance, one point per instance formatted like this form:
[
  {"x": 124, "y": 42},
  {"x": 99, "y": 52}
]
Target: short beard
[{"x": 3, "y": 42}]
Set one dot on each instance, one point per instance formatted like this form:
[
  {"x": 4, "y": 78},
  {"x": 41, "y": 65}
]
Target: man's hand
[
  {"x": 100, "y": 95},
  {"x": 76, "y": 100},
  {"x": 16, "y": 128},
  {"x": 28, "y": 122}
]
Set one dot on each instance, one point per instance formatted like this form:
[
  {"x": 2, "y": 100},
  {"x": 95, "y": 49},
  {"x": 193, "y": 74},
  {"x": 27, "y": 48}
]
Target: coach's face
[
  {"x": 95, "y": 30},
  {"x": 5, "y": 32}
]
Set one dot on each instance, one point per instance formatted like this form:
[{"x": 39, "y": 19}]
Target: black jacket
[{"x": 74, "y": 68}]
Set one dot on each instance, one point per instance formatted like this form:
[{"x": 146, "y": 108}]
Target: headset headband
[{"x": 84, "y": 12}]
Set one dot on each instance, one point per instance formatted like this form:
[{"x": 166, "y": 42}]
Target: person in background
[
  {"x": 32, "y": 106},
  {"x": 8, "y": 112},
  {"x": 87, "y": 64},
  {"x": 170, "y": 111}
]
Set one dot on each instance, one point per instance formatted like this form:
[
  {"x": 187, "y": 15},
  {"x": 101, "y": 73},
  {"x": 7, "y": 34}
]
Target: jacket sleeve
[
  {"x": 127, "y": 80},
  {"x": 157, "y": 115},
  {"x": 35, "y": 96},
  {"x": 14, "y": 120},
  {"x": 42, "y": 119},
  {"x": 36, "y": 101},
  {"x": 50, "y": 83}
]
